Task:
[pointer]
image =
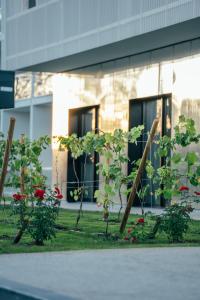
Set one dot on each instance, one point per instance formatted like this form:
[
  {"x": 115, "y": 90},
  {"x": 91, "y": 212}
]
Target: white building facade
[{"x": 111, "y": 64}]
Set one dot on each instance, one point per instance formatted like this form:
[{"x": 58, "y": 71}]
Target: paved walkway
[
  {"x": 145, "y": 274},
  {"x": 135, "y": 210}
]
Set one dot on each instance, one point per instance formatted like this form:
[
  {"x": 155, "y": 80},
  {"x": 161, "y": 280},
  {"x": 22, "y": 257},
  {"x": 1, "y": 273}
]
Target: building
[{"x": 112, "y": 64}]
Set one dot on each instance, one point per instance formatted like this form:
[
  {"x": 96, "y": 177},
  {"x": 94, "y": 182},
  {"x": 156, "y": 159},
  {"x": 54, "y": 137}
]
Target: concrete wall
[
  {"x": 34, "y": 121},
  {"x": 41, "y": 124},
  {"x": 22, "y": 125},
  {"x": 59, "y": 28}
]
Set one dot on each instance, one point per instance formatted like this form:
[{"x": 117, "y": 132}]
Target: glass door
[
  {"x": 144, "y": 111},
  {"x": 80, "y": 122}
]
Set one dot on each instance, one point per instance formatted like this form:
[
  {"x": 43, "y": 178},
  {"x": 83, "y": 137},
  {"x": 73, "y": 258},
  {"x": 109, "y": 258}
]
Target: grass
[{"x": 89, "y": 237}]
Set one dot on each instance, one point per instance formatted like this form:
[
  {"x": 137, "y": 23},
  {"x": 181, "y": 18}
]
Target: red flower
[
  {"x": 39, "y": 194},
  {"x": 126, "y": 238},
  {"x": 57, "y": 190},
  {"x": 183, "y": 188},
  {"x": 58, "y": 195},
  {"x": 18, "y": 197},
  {"x": 129, "y": 230},
  {"x": 197, "y": 193},
  {"x": 140, "y": 221}
]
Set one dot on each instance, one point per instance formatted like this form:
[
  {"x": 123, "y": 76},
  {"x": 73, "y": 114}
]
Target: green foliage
[
  {"x": 180, "y": 167},
  {"x": 25, "y": 155},
  {"x": 22, "y": 211},
  {"x": 43, "y": 219},
  {"x": 191, "y": 158},
  {"x": 72, "y": 143},
  {"x": 138, "y": 231},
  {"x": 76, "y": 194},
  {"x": 112, "y": 148},
  {"x": 176, "y": 158},
  {"x": 113, "y": 159},
  {"x": 175, "y": 221},
  {"x": 185, "y": 132},
  {"x": 149, "y": 169},
  {"x": 36, "y": 213}
]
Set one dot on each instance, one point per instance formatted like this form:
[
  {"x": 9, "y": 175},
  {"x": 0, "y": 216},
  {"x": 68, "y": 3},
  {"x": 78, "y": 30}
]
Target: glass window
[{"x": 31, "y": 3}]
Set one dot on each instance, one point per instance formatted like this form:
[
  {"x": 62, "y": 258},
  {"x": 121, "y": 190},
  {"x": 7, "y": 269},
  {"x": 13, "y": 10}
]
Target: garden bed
[{"x": 90, "y": 235}]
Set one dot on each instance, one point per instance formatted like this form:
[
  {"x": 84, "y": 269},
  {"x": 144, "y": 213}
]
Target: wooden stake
[
  {"x": 6, "y": 154},
  {"x": 139, "y": 175}
]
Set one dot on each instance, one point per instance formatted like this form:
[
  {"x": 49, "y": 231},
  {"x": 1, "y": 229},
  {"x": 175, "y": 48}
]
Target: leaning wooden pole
[
  {"x": 139, "y": 175},
  {"x": 6, "y": 155}
]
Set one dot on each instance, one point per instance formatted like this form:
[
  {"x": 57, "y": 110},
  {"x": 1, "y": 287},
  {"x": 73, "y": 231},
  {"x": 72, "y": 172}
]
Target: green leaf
[
  {"x": 176, "y": 158},
  {"x": 108, "y": 188},
  {"x": 96, "y": 194},
  {"x": 194, "y": 180},
  {"x": 191, "y": 158},
  {"x": 167, "y": 194}
]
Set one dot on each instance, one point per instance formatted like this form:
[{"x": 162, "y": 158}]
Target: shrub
[
  {"x": 175, "y": 221},
  {"x": 137, "y": 232},
  {"x": 37, "y": 214},
  {"x": 43, "y": 218}
]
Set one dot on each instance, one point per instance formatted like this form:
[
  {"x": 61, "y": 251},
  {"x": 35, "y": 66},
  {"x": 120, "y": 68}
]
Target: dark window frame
[
  {"x": 79, "y": 110},
  {"x": 164, "y": 97}
]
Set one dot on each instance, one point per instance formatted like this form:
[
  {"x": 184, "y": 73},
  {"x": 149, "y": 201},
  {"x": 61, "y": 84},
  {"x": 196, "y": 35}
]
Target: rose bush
[
  {"x": 137, "y": 232},
  {"x": 37, "y": 214},
  {"x": 44, "y": 214}
]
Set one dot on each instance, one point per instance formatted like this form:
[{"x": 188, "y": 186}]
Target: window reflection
[
  {"x": 23, "y": 86},
  {"x": 43, "y": 84}
]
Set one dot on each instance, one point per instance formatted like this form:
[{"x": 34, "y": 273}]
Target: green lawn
[{"x": 89, "y": 237}]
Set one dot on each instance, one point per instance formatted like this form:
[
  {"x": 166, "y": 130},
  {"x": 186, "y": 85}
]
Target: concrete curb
[{"x": 29, "y": 292}]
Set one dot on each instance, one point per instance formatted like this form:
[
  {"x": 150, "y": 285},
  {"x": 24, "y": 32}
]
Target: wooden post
[
  {"x": 139, "y": 175},
  {"x": 6, "y": 154},
  {"x": 22, "y": 171}
]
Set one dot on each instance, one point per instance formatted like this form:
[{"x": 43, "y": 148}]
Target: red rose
[
  {"x": 183, "y": 188},
  {"x": 57, "y": 190},
  {"x": 39, "y": 194},
  {"x": 140, "y": 221},
  {"x": 129, "y": 230},
  {"x": 197, "y": 193},
  {"x": 58, "y": 195},
  {"x": 18, "y": 197}
]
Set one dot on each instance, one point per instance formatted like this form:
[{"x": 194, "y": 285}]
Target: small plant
[
  {"x": 45, "y": 212},
  {"x": 20, "y": 208},
  {"x": 137, "y": 232},
  {"x": 37, "y": 214},
  {"x": 113, "y": 154},
  {"x": 175, "y": 221}
]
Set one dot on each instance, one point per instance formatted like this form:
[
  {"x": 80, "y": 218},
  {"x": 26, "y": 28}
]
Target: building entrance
[
  {"x": 80, "y": 122},
  {"x": 144, "y": 111}
]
